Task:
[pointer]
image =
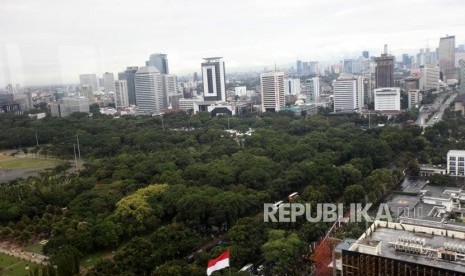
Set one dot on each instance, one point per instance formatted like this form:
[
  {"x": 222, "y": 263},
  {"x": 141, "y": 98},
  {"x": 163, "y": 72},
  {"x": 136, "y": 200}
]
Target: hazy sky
[{"x": 45, "y": 41}]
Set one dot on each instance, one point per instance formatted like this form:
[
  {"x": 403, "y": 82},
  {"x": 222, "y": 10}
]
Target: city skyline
[{"x": 37, "y": 48}]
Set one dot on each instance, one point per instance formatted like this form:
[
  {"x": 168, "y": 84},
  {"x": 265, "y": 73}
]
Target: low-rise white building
[
  {"x": 387, "y": 99},
  {"x": 456, "y": 162}
]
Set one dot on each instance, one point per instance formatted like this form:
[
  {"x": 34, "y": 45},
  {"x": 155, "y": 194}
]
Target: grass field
[
  {"x": 11, "y": 266},
  {"x": 35, "y": 247},
  {"x": 11, "y": 163},
  {"x": 23, "y": 163}
]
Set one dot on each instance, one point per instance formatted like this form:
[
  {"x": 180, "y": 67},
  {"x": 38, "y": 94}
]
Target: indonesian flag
[{"x": 220, "y": 262}]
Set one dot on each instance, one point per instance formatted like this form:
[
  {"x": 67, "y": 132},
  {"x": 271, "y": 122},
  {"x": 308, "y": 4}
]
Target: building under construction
[{"x": 409, "y": 247}]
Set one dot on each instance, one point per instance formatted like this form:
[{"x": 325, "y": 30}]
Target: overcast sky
[{"x": 52, "y": 42}]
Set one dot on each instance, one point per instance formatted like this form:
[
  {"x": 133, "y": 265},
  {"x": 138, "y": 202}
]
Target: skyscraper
[
  {"x": 272, "y": 88},
  {"x": 462, "y": 76},
  {"x": 305, "y": 68},
  {"x": 108, "y": 83},
  {"x": 384, "y": 72},
  {"x": 429, "y": 77},
  {"x": 365, "y": 54},
  {"x": 89, "y": 80},
  {"x": 299, "y": 67},
  {"x": 129, "y": 75},
  {"x": 348, "y": 94},
  {"x": 312, "y": 89},
  {"x": 447, "y": 57},
  {"x": 170, "y": 90},
  {"x": 214, "y": 80},
  {"x": 121, "y": 93},
  {"x": 159, "y": 61},
  {"x": 292, "y": 86},
  {"x": 149, "y": 91}
]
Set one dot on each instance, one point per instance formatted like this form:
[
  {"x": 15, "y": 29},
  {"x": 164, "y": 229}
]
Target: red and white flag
[{"x": 220, "y": 262}]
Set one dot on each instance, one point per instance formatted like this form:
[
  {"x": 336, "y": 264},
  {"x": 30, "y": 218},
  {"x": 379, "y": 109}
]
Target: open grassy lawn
[
  {"x": 11, "y": 162},
  {"x": 35, "y": 247},
  {"x": 11, "y": 266},
  {"x": 23, "y": 163}
]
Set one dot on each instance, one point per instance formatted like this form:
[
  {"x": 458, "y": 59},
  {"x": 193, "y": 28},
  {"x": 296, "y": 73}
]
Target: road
[{"x": 437, "y": 108}]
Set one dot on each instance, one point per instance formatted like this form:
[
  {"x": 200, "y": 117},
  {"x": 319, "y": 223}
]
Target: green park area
[{"x": 12, "y": 266}]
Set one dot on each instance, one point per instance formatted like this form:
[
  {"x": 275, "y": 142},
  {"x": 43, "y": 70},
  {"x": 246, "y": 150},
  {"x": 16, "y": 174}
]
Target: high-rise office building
[
  {"x": 387, "y": 99},
  {"x": 214, "y": 79},
  {"x": 299, "y": 67},
  {"x": 305, "y": 68},
  {"x": 447, "y": 57},
  {"x": 170, "y": 91},
  {"x": 368, "y": 96},
  {"x": 429, "y": 77},
  {"x": 384, "y": 72},
  {"x": 414, "y": 98},
  {"x": 312, "y": 89},
  {"x": 108, "y": 83},
  {"x": 149, "y": 90},
  {"x": 313, "y": 67},
  {"x": 90, "y": 80},
  {"x": 121, "y": 93},
  {"x": 86, "y": 92},
  {"x": 462, "y": 76},
  {"x": 291, "y": 86},
  {"x": 348, "y": 66},
  {"x": 365, "y": 54},
  {"x": 406, "y": 61},
  {"x": 129, "y": 75},
  {"x": 159, "y": 61},
  {"x": 348, "y": 94},
  {"x": 272, "y": 90}
]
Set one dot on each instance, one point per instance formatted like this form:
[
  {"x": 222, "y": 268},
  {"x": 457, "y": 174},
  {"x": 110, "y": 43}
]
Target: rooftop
[
  {"x": 426, "y": 245},
  {"x": 456, "y": 152}
]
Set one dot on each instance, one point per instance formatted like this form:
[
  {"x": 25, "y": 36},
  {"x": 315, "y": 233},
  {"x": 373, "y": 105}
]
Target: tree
[
  {"x": 354, "y": 194},
  {"x": 104, "y": 267},
  {"x": 413, "y": 168},
  {"x": 246, "y": 237},
  {"x": 136, "y": 257},
  {"x": 141, "y": 210},
  {"x": 282, "y": 251}
]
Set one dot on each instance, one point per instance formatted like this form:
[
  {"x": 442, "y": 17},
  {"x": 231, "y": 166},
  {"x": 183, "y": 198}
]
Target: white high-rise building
[
  {"x": 214, "y": 80},
  {"x": 387, "y": 99},
  {"x": 90, "y": 80},
  {"x": 108, "y": 83},
  {"x": 429, "y": 77},
  {"x": 121, "y": 93},
  {"x": 462, "y": 76},
  {"x": 272, "y": 88},
  {"x": 312, "y": 89},
  {"x": 169, "y": 89},
  {"x": 348, "y": 94},
  {"x": 291, "y": 86},
  {"x": 149, "y": 90},
  {"x": 414, "y": 98},
  {"x": 240, "y": 91}
]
